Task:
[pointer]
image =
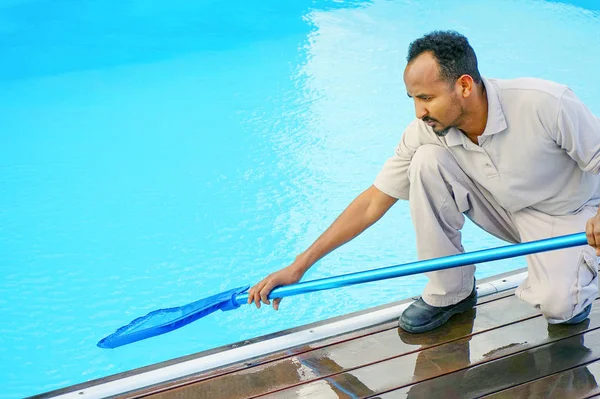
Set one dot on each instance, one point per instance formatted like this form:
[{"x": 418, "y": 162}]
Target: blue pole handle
[{"x": 407, "y": 269}]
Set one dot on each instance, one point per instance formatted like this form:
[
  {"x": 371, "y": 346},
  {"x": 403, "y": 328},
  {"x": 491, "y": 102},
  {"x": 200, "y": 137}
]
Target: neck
[{"x": 475, "y": 119}]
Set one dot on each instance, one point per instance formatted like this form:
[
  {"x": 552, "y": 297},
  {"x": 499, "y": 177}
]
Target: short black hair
[{"x": 453, "y": 52}]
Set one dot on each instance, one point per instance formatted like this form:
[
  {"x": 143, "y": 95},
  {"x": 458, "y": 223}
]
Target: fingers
[
  {"x": 252, "y": 297},
  {"x": 266, "y": 290},
  {"x": 260, "y": 292},
  {"x": 254, "y": 293},
  {"x": 591, "y": 234}
]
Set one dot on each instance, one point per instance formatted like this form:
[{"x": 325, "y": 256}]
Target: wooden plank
[
  {"x": 340, "y": 357},
  {"x": 578, "y": 382},
  {"x": 432, "y": 362},
  {"x": 509, "y": 371}
]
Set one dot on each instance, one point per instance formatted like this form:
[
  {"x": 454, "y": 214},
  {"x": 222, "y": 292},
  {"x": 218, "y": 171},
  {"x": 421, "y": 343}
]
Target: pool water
[{"x": 153, "y": 153}]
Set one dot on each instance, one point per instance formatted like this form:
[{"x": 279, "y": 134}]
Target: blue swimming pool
[{"x": 152, "y": 153}]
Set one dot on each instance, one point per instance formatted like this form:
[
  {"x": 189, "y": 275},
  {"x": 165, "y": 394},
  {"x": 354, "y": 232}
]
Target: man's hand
[
  {"x": 592, "y": 231},
  {"x": 289, "y": 275}
]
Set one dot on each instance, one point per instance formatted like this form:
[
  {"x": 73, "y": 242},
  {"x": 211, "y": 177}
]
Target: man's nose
[{"x": 420, "y": 111}]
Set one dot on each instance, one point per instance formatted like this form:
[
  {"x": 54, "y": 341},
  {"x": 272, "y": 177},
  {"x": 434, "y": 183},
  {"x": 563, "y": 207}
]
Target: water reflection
[
  {"x": 573, "y": 383},
  {"x": 437, "y": 359},
  {"x": 344, "y": 384},
  {"x": 504, "y": 369}
]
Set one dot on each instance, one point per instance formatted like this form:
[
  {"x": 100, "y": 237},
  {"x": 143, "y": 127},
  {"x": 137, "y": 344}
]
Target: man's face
[{"x": 437, "y": 102}]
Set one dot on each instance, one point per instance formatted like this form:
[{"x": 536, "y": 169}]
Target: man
[{"x": 520, "y": 158}]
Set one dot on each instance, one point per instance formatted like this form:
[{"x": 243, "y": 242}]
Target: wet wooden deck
[{"x": 503, "y": 348}]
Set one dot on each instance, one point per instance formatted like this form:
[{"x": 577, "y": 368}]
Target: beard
[{"x": 443, "y": 130}]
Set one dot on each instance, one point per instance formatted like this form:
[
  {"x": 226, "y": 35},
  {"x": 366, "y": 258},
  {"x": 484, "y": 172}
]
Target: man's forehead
[{"x": 423, "y": 70}]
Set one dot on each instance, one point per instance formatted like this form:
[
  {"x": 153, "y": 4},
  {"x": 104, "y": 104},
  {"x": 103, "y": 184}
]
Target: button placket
[{"x": 490, "y": 168}]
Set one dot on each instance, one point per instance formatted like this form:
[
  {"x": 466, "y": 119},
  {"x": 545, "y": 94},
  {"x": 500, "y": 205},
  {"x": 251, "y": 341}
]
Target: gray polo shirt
[{"x": 540, "y": 149}]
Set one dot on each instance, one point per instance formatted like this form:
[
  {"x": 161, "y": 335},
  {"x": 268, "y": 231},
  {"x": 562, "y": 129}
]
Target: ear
[{"x": 466, "y": 85}]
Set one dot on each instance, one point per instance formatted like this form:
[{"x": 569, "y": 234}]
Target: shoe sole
[{"x": 439, "y": 321}]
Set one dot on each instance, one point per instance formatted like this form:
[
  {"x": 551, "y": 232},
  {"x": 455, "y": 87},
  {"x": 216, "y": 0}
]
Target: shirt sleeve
[
  {"x": 578, "y": 132},
  {"x": 393, "y": 177}
]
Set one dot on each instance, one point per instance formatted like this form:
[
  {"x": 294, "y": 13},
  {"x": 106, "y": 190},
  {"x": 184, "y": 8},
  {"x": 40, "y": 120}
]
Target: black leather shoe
[{"x": 420, "y": 317}]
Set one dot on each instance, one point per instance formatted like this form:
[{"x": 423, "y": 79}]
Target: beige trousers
[{"x": 560, "y": 283}]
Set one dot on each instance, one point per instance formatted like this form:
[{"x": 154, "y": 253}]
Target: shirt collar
[{"x": 496, "y": 122}]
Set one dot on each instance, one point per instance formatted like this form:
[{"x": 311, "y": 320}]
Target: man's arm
[
  {"x": 578, "y": 133},
  {"x": 362, "y": 212}
]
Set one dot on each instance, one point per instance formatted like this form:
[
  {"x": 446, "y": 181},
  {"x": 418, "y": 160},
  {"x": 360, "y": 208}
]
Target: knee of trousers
[
  {"x": 562, "y": 304},
  {"x": 428, "y": 161},
  {"x": 557, "y": 307}
]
